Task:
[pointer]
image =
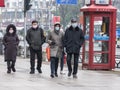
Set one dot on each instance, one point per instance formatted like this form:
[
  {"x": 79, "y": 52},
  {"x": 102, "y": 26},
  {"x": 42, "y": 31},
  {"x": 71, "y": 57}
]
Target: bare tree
[{"x": 68, "y": 11}]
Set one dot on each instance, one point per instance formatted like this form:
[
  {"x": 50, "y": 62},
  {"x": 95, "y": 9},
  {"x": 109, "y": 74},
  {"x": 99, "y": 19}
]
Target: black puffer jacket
[
  {"x": 73, "y": 40},
  {"x": 35, "y": 38},
  {"x": 10, "y": 42}
]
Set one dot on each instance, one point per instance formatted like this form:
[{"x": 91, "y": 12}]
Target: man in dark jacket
[
  {"x": 35, "y": 38},
  {"x": 73, "y": 40}
]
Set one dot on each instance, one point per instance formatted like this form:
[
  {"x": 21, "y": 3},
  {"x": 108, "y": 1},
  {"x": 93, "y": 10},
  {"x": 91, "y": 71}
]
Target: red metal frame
[{"x": 100, "y": 11}]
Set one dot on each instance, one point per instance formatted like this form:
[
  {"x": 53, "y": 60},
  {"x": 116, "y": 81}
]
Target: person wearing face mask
[
  {"x": 35, "y": 38},
  {"x": 73, "y": 40},
  {"x": 10, "y": 41},
  {"x": 54, "y": 39}
]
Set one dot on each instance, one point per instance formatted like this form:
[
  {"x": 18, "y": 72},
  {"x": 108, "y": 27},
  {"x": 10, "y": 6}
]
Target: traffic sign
[{"x": 66, "y": 1}]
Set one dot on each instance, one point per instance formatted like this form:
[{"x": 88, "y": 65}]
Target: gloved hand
[
  {"x": 53, "y": 43},
  {"x": 65, "y": 50}
]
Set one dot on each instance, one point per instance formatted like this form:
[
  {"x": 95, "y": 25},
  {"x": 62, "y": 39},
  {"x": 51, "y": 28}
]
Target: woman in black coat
[{"x": 10, "y": 41}]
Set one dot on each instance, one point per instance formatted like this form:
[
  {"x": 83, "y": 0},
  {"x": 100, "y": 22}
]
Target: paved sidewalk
[{"x": 87, "y": 80}]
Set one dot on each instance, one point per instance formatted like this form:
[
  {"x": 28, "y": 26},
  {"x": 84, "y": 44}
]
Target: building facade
[{"x": 13, "y": 13}]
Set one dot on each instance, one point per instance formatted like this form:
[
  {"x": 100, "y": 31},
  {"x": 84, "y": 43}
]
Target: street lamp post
[
  {"x": 25, "y": 34},
  {"x": 27, "y": 7}
]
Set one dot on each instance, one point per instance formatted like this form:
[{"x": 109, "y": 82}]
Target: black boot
[
  {"x": 8, "y": 67},
  {"x": 9, "y": 70},
  {"x": 13, "y": 69},
  {"x": 52, "y": 76},
  {"x": 13, "y": 66},
  {"x": 39, "y": 66},
  {"x": 32, "y": 71},
  {"x": 56, "y": 74},
  {"x": 32, "y": 63},
  {"x": 39, "y": 70}
]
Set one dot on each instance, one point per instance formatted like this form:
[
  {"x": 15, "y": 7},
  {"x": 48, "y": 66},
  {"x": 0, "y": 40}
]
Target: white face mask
[
  {"x": 11, "y": 31},
  {"x": 35, "y": 26},
  {"x": 74, "y": 25},
  {"x": 57, "y": 28}
]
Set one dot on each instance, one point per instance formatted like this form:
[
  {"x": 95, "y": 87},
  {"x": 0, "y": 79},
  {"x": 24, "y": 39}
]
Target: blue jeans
[{"x": 54, "y": 65}]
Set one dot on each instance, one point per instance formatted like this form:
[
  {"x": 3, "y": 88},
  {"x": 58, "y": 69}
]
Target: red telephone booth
[{"x": 100, "y": 34}]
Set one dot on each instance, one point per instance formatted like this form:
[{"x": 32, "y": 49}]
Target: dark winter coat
[
  {"x": 35, "y": 38},
  {"x": 73, "y": 40},
  {"x": 10, "y": 42}
]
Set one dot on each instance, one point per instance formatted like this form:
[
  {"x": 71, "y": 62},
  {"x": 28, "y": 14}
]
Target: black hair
[{"x": 34, "y": 21}]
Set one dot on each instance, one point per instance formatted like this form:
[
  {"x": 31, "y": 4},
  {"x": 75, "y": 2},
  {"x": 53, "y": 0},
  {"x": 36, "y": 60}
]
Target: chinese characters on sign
[
  {"x": 102, "y": 2},
  {"x": 66, "y": 1},
  {"x": 2, "y": 3}
]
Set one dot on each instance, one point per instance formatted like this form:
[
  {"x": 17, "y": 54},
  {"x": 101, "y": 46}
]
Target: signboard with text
[
  {"x": 66, "y": 1},
  {"x": 2, "y": 3},
  {"x": 56, "y": 19},
  {"x": 102, "y": 2}
]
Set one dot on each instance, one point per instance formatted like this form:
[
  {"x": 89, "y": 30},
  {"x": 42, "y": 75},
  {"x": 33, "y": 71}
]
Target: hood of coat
[{"x": 8, "y": 28}]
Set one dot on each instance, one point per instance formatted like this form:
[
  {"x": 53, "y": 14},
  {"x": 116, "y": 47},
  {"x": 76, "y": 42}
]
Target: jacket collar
[
  {"x": 34, "y": 28},
  {"x": 71, "y": 28}
]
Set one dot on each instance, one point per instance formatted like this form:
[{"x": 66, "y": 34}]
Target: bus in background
[{"x": 118, "y": 34}]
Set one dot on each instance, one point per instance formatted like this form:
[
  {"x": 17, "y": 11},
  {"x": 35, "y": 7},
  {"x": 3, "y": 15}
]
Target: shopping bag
[
  {"x": 65, "y": 57},
  {"x": 48, "y": 53}
]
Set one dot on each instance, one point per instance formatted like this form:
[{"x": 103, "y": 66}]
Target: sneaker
[
  {"x": 52, "y": 76},
  {"x": 61, "y": 72},
  {"x": 69, "y": 74},
  {"x": 74, "y": 76}
]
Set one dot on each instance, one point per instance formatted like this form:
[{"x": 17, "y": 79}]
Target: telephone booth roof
[{"x": 98, "y": 8}]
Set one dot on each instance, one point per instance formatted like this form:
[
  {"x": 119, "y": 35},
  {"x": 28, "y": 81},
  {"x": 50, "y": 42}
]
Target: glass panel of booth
[
  {"x": 101, "y": 58},
  {"x": 87, "y": 30},
  {"x": 101, "y": 39}
]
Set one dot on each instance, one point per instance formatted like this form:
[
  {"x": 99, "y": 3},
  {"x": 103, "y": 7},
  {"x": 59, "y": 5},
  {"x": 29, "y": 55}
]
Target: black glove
[{"x": 53, "y": 43}]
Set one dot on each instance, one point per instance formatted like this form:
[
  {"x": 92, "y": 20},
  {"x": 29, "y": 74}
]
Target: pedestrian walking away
[
  {"x": 54, "y": 39},
  {"x": 10, "y": 41},
  {"x": 73, "y": 40},
  {"x": 35, "y": 38}
]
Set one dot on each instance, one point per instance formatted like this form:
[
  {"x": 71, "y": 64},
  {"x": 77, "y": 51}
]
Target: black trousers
[
  {"x": 54, "y": 65},
  {"x": 10, "y": 64},
  {"x": 33, "y": 53},
  {"x": 62, "y": 61},
  {"x": 75, "y": 66}
]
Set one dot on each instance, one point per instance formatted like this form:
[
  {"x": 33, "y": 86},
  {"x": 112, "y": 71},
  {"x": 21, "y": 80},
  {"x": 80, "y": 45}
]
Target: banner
[
  {"x": 2, "y": 3},
  {"x": 56, "y": 19},
  {"x": 66, "y": 1}
]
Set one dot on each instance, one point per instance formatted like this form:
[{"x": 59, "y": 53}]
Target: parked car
[{"x": 21, "y": 49}]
